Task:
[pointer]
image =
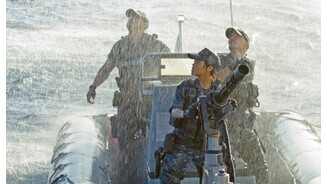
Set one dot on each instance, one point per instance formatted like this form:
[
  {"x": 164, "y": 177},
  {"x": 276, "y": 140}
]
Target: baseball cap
[
  {"x": 238, "y": 31},
  {"x": 208, "y": 56},
  {"x": 137, "y": 13}
]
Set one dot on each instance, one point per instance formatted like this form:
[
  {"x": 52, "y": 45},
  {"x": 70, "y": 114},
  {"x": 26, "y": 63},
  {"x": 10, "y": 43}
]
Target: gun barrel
[{"x": 229, "y": 85}]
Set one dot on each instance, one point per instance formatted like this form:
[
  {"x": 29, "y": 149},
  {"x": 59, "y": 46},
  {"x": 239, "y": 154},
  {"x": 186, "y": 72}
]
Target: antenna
[
  {"x": 179, "y": 44},
  {"x": 231, "y": 12}
]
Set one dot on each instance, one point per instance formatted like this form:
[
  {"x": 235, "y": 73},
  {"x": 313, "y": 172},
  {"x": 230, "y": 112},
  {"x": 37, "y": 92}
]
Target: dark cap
[
  {"x": 238, "y": 31},
  {"x": 137, "y": 13},
  {"x": 208, "y": 56}
]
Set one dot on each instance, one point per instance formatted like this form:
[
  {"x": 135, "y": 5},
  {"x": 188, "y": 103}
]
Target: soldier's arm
[
  {"x": 104, "y": 72},
  {"x": 223, "y": 74},
  {"x": 108, "y": 66},
  {"x": 176, "y": 109},
  {"x": 250, "y": 64},
  {"x": 226, "y": 65}
]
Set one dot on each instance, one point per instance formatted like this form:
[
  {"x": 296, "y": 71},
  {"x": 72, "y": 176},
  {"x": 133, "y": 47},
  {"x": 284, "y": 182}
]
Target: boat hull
[
  {"x": 80, "y": 155},
  {"x": 293, "y": 148}
]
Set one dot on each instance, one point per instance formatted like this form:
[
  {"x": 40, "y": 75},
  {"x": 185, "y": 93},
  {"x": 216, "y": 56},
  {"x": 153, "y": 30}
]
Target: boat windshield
[{"x": 176, "y": 66}]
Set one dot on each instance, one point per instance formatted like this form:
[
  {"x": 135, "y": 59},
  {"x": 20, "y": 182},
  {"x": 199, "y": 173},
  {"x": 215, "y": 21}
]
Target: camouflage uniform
[
  {"x": 126, "y": 56},
  {"x": 188, "y": 134},
  {"x": 240, "y": 122}
]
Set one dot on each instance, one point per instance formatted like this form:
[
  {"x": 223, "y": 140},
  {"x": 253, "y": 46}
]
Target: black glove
[
  {"x": 90, "y": 96},
  {"x": 191, "y": 112}
]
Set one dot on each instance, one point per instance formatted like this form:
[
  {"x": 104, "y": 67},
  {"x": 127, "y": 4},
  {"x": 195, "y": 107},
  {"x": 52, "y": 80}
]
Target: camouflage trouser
[
  {"x": 175, "y": 165},
  {"x": 132, "y": 151},
  {"x": 128, "y": 125},
  {"x": 244, "y": 140}
]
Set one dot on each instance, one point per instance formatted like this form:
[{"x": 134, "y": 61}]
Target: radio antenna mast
[{"x": 231, "y": 12}]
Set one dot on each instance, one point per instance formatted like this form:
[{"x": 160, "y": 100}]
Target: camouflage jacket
[
  {"x": 189, "y": 131},
  {"x": 126, "y": 55},
  {"x": 246, "y": 93}
]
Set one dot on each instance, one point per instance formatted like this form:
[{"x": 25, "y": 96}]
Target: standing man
[
  {"x": 240, "y": 122},
  {"x": 125, "y": 55},
  {"x": 184, "y": 145}
]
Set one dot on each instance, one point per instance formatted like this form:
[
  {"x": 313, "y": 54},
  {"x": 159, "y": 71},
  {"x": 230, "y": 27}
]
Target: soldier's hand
[
  {"x": 233, "y": 103},
  {"x": 90, "y": 96},
  {"x": 191, "y": 112}
]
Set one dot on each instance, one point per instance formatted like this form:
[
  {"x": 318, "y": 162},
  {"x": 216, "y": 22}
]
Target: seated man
[{"x": 185, "y": 144}]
